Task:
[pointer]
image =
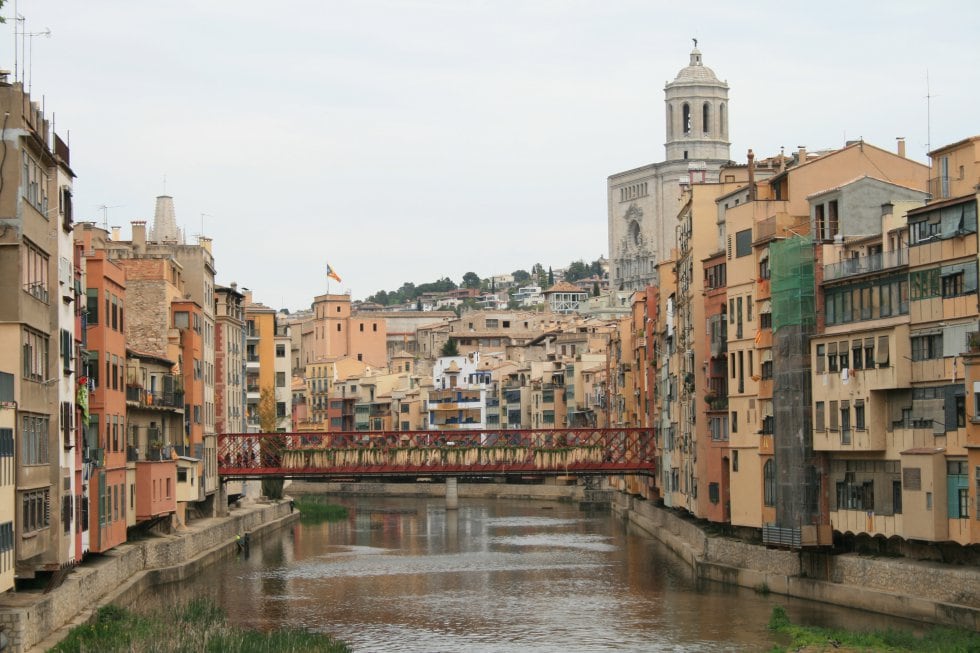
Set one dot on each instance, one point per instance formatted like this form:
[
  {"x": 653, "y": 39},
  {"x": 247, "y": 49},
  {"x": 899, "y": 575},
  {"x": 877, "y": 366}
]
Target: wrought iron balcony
[{"x": 853, "y": 267}]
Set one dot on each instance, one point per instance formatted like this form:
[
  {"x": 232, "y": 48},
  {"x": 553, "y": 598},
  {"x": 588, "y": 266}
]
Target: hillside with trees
[{"x": 539, "y": 275}]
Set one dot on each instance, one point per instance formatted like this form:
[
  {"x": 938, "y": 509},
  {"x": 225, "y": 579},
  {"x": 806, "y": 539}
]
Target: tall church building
[{"x": 643, "y": 202}]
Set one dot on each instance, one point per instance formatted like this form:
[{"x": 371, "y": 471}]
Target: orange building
[
  {"x": 188, "y": 320},
  {"x": 337, "y": 333},
  {"x": 106, "y": 368}
]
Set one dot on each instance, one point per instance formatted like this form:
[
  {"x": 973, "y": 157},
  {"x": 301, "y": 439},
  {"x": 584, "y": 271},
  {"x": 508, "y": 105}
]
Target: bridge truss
[{"x": 436, "y": 454}]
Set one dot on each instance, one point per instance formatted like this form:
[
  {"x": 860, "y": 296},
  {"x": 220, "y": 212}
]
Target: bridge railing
[{"x": 436, "y": 452}]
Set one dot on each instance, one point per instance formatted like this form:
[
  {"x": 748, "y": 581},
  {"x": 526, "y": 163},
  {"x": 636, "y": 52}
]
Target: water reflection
[{"x": 407, "y": 575}]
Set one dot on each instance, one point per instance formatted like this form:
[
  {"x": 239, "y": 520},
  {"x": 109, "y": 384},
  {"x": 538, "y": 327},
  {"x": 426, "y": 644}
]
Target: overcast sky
[{"x": 412, "y": 140}]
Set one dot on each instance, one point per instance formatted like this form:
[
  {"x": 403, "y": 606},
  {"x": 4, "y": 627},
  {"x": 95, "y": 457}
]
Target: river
[{"x": 407, "y": 575}]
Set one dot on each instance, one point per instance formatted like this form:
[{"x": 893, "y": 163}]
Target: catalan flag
[{"x": 332, "y": 274}]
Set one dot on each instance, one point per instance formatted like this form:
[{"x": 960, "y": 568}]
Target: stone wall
[
  {"x": 548, "y": 492},
  {"x": 943, "y": 594},
  {"x": 29, "y": 617}
]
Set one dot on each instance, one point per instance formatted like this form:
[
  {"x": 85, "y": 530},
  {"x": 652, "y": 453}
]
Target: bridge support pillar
[{"x": 452, "y": 494}]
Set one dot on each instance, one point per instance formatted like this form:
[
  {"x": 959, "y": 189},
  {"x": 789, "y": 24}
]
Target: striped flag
[{"x": 332, "y": 274}]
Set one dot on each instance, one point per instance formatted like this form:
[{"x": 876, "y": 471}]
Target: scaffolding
[{"x": 797, "y": 478}]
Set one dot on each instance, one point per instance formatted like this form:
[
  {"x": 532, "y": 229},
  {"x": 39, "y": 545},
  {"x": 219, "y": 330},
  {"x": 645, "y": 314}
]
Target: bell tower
[{"x": 697, "y": 114}]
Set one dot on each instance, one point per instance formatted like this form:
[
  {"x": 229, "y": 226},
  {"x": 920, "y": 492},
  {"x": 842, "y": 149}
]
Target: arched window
[
  {"x": 686, "y": 117},
  {"x": 722, "y": 121},
  {"x": 769, "y": 483},
  {"x": 706, "y": 118}
]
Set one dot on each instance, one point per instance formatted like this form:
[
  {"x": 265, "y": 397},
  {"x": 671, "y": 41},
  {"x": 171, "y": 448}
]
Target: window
[
  {"x": 769, "y": 483},
  {"x": 845, "y": 422},
  {"x": 927, "y": 347},
  {"x": 34, "y": 440},
  {"x": 280, "y": 379},
  {"x": 34, "y": 274},
  {"x": 859, "y": 415},
  {"x": 735, "y": 460},
  {"x": 820, "y": 362},
  {"x": 35, "y": 184},
  {"x": 953, "y": 284},
  {"x": 881, "y": 356},
  {"x": 867, "y": 300},
  {"x": 734, "y": 421},
  {"x": 743, "y": 243},
  {"x": 280, "y": 409},
  {"x": 36, "y": 510},
  {"x": 35, "y": 352},
  {"x": 832, "y": 357},
  {"x": 281, "y": 349},
  {"x": 855, "y": 495},
  {"x": 686, "y": 119},
  {"x": 869, "y": 353},
  {"x": 181, "y": 319},
  {"x": 957, "y": 489},
  {"x": 818, "y": 416},
  {"x": 713, "y": 493}
]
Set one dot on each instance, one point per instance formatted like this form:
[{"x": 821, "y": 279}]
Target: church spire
[{"x": 164, "y": 222}]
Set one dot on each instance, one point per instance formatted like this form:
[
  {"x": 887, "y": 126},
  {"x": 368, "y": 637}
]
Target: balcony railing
[
  {"x": 939, "y": 187},
  {"x": 866, "y": 264},
  {"x": 150, "y": 399}
]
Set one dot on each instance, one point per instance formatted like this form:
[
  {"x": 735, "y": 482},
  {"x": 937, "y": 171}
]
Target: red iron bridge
[{"x": 436, "y": 454}]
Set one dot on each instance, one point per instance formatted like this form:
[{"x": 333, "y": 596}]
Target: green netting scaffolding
[
  {"x": 793, "y": 322},
  {"x": 792, "y": 264}
]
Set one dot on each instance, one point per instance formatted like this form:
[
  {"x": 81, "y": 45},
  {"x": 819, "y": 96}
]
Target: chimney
[
  {"x": 205, "y": 243},
  {"x": 901, "y": 146},
  {"x": 139, "y": 236},
  {"x": 751, "y": 175},
  {"x": 782, "y": 159},
  {"x": 801, "y": 155},
  {"x": 116, "y": 233}
]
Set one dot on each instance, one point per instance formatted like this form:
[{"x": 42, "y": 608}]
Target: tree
[
  {"x": 471, "y": 280},
  {"x": 451, "y": 348},
  {"x": 521, "y": 276},
  {"x": 551, "y": 277},
  {"x": 271, "y": 446},
  {"x": 595, "y": 288},
  {"x": 577, "y": 270}
]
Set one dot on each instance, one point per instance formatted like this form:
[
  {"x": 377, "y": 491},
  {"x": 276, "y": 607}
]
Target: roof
[
  {"x": 861, "y": 178},
  {"x": 696, "y": 72},
  {"x": 563, "y": 286}
]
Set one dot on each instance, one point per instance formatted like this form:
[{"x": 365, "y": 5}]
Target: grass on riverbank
[
  {"x": 315, "y": 510},
  {"x": 805, "y": 638},
  {"x": 197, "y": 626}
]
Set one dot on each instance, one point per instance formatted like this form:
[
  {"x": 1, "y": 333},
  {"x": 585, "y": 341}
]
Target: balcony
[
  {"x": 939, "y": 187},
  {"x": 137, "y": 396},
  {"x": 854, "y": 267}
]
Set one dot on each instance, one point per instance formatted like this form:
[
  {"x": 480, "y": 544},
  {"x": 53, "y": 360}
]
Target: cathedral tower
[
  {"x": 697, "y": 114},
  {"x": 643, "y": 202}
]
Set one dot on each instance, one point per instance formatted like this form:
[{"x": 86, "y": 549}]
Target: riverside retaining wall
[
  {"x": 35, "y": 619},
  {"x": 924, "y": 591}
]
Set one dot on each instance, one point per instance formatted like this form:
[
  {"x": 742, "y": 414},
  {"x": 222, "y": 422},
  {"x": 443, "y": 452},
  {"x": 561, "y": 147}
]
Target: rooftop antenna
[
  {"x": 929, "y": 97},
  {"x": 105, "y": 214},
  {"x": 17, "y": 19},
  {"x": 201, "y": 235},
  {"x": 30, "y": 53}
]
